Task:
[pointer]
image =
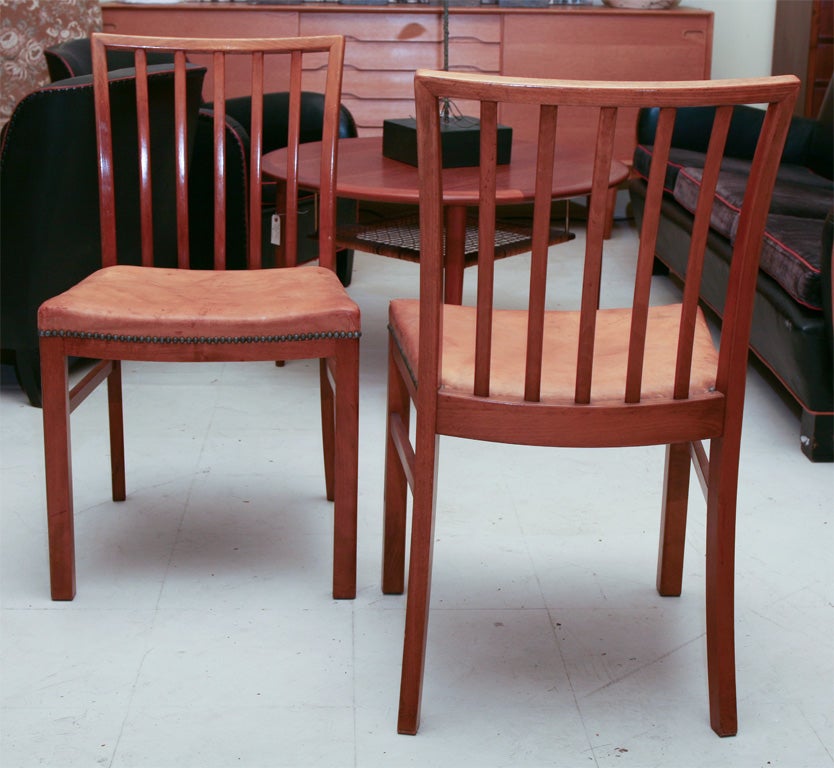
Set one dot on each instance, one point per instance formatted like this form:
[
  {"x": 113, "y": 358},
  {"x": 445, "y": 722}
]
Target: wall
[{"x": 742, "y": 36}]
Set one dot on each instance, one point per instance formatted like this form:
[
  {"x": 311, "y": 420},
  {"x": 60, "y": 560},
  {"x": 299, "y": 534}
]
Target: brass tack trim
[{"x": 202, "y": 339}]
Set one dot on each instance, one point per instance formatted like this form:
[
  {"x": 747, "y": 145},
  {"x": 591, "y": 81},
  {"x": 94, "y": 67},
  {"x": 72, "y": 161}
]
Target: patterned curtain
[{"x": 26, "y": 28}]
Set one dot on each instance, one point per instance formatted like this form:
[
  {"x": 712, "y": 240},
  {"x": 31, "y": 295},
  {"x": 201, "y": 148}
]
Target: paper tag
[{"x": 275, "y": 237}]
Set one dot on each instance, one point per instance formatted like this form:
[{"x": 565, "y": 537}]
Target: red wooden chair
[
  {"x": 639, "y": 375},
  {"x": 148, "y": 312}
]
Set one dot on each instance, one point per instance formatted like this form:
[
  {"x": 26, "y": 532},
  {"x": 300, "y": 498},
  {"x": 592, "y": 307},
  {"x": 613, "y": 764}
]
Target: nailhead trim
[{"x": 204, "y": 339}]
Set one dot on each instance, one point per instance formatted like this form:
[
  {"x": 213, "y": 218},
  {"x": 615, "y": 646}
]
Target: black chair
[
  {"x": 49, "y": 219},
  {"x": 73, "y": 58}
]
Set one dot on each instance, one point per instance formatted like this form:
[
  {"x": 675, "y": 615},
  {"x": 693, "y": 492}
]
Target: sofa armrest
[
  {"x": 825, "y": 277},
  {"x": 276, "y": 115},
  {"x": 692, "y": 131}
]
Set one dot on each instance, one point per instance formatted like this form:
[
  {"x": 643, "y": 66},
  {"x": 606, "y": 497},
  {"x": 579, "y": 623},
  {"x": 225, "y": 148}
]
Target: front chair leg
[
  {"x": 58, "y": 467},
  {"x": 346, "y": 469},
  {"x": 720, "y": 568},
  {"x": 419, "y": 585}
]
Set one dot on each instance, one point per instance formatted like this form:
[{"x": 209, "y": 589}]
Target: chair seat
[
  {"x": 561, "y": 332},
  {"x": 161, "y": 304}
]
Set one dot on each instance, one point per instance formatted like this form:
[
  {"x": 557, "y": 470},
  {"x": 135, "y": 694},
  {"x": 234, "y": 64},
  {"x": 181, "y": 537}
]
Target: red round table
[{"x": 365, "y": 174}]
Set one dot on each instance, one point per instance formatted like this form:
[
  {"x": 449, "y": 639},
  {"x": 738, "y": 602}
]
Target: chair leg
[
  {"x": 673, "y": 520},
  {"x": 328, "y": 427},
  {"x": 720, "y": 566},
  {"x": 117, "y": 432},
  {"x": 58, "y": 468},
  {"x": 419, "y": 581},
  {"x": 396, "y": 484},
  {"x": 346, "y": 469}
]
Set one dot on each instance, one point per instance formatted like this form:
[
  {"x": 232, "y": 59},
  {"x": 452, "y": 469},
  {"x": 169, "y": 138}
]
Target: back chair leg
[
  {"x": 720, "y": 571},
  {"x": 346, "y": 470},
  {"x": 396, "y": 484},
  {"x": 328, "y": 427},
  {"x": 673, "y": 520},
  {"x": 58, "y": 465},
  {"x": 117, "y": 431}
]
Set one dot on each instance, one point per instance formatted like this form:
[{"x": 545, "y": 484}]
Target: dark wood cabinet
[{"x": 803, "y": 45}]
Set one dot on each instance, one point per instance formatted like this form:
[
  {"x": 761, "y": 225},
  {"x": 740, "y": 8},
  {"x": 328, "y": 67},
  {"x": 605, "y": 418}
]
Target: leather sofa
[
  {"x": 792, "y": 317},
  {"x": 49, "y": 220}
]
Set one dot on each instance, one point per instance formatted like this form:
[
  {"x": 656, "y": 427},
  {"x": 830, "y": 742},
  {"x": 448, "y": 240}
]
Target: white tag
[{"x": 275, "y": 237}]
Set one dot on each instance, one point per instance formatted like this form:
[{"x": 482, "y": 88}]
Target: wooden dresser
[{"x": 386, "y": 44}]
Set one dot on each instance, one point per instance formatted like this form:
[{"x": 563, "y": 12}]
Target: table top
[{"x": 365, "y": 174}]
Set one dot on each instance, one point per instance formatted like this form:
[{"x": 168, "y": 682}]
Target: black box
[{"x": 460, "y": 139}]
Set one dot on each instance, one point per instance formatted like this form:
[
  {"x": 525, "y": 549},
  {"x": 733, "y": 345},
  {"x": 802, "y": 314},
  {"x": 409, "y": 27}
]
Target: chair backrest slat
[
  {"x": 256, "y": 145},
  {"x": 697, "y": 248},
  {"x": 592, "y": 273},
  {"x": 143, "y": 121},
  {"x": 293, "y": 129},
  {"x": 431, "y": 240},
  {"x": 486, "y": 247},
  {"x": 259, "y": 53},
  {"x": 181, "y": 139},
  {"x": 645, "y": 256},
  {"x": 104, "y": 142},
  {"x": 742, "y": 281},
  {"x": 634, "y": 322},
  {"x": 538, "y": 265},
  {"x": 219, "y": 108}
]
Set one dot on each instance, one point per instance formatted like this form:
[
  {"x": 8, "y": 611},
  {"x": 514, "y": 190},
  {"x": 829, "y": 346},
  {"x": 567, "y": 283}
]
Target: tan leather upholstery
[
  {"x": 559, "y": 364},
  {"x": 157, "y": 303}
]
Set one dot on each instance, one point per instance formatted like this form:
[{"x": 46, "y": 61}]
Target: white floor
[{"x": 204, "y": 634}]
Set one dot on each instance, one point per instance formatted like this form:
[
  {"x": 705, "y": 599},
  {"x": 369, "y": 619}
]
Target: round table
[{"x": 364, "y": 173}]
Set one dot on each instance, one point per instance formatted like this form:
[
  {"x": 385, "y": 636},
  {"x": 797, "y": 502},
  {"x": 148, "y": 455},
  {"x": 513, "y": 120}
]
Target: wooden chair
[
  {"x": 639, "y": 375},
  {"x": 132, "y": 312}
]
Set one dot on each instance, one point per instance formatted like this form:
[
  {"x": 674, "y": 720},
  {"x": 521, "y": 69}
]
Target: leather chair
[
  {"x": 558, "y": 369},
  {"x": 73, "y": 58},
  {"x": 49, "y": 220},
  {"x": 153, "y": 313}
]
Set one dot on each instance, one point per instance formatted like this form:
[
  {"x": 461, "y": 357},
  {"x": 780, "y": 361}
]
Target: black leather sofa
[
  {"x": 49, "y": 219},
  {"x": 792, "y": 317}
]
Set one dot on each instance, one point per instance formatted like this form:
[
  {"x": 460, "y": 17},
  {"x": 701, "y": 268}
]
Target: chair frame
[
  {"x": 680, "y": 421},
  {"x": 338, "y": 352}
]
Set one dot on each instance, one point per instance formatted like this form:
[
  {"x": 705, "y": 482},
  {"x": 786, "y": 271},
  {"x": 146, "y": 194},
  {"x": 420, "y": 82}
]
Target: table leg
[
  {"x": 610, "y": 203},
  {"x": 455, "y": 253}
]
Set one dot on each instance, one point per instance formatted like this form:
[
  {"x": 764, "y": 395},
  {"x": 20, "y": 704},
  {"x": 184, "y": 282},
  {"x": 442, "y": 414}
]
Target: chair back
[
  {"x": 49, "y": 219},
  {"x": 549, "y": 96},
  {"x": 259, "y": 55}
]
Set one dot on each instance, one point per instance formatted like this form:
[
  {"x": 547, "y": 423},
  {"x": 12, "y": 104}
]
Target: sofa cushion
[
  {"x": 792, "y": 255},
  {"x": 791, "y": 252},
  {"x": 679, "y": 159}
]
